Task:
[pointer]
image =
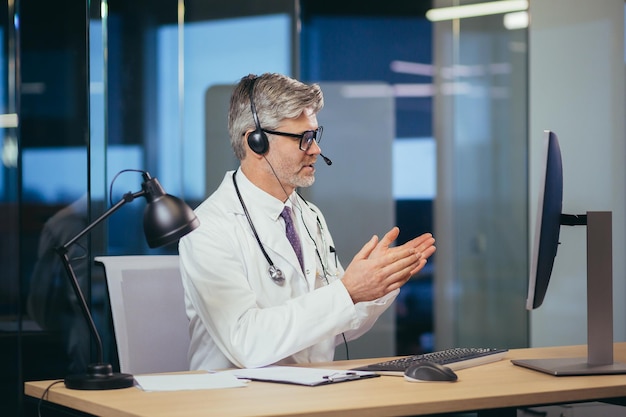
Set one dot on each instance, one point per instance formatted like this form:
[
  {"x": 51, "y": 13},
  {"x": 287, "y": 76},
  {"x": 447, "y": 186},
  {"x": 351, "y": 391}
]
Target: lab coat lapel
[
  {"x": 277, "y": 245},
  {"x": 309, "y": 246}
]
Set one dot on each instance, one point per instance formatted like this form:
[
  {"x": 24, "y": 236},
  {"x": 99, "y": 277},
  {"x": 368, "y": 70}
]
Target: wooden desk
[{"x": 499, "y": 385}]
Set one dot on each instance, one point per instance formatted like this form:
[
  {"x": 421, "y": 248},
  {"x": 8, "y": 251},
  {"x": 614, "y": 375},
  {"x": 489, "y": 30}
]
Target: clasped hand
[{"x": 379, "y": 268}]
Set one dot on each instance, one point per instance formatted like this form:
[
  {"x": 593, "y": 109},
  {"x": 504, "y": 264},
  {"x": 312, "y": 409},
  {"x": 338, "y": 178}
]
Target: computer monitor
[{"x": 548, "y": 220}]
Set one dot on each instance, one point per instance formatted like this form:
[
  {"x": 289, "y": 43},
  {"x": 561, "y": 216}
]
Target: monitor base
[{"x": 570, "y": 366}]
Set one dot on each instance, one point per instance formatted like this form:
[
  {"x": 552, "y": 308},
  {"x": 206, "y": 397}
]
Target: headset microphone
[{"x": 327, "y": 160}]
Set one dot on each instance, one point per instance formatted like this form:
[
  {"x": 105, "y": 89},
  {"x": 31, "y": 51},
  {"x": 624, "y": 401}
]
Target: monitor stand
[{"x": 599, "y": 359}]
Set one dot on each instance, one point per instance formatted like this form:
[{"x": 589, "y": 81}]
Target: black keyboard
[{"x": 455, "y": 359}]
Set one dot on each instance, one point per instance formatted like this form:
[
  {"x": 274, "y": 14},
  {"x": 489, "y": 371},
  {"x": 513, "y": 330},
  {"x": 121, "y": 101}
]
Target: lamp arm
[
  {"x": 127, "y": 198},
  {"x": 81, "y": 302},
  {"x": 63, "y": 253}
]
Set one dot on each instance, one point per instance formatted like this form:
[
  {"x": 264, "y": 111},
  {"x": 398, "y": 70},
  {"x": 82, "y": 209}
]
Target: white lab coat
[{"x": 238, "y": 315}]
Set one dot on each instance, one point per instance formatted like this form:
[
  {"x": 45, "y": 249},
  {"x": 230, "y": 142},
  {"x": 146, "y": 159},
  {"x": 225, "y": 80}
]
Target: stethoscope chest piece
[{"x": 276, "y": 275}]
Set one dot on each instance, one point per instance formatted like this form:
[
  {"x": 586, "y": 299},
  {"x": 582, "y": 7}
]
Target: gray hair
[{"x": 276, "y": 97}]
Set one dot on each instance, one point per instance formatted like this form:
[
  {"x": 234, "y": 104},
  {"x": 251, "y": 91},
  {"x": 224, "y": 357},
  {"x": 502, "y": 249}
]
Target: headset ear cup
[{"x": 258, "y": 142}]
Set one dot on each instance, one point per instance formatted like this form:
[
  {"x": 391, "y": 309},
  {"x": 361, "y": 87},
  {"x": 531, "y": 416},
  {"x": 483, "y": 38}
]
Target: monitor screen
[{"x": 547, "y": 220}]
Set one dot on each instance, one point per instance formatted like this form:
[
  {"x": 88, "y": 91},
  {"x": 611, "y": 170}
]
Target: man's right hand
[{"x": 379, "y": 268}]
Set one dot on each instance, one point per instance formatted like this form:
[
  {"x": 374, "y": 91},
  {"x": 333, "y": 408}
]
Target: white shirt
[{"x": 238, "y": 315}]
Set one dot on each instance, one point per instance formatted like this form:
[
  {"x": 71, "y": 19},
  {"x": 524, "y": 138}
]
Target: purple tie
[{"x": 292, "y": 235}]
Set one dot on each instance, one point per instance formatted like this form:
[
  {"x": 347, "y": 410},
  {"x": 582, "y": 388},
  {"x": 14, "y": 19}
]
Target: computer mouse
[{"x": 428, "y": 372}]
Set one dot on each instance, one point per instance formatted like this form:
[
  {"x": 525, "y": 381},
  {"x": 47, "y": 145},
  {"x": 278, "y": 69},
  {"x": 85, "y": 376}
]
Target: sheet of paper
[
  {"x": 180, "y": 382},
  {"x": 299, "y": 375}
]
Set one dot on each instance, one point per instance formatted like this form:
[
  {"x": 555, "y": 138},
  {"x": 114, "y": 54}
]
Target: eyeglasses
[{"x": 306, "y": 138}]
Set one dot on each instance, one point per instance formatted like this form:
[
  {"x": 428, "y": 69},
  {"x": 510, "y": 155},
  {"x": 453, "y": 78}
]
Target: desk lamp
[{"x": 166, "y": 219}]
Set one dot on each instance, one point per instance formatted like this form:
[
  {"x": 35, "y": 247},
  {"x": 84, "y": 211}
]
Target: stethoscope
[{"x": 276, "y": 274}]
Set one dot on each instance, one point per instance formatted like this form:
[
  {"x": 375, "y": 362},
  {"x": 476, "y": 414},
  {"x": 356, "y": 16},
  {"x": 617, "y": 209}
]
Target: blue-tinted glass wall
[
  {"x": 45, "y": 82},
  {"x": 390, "y": 42}
]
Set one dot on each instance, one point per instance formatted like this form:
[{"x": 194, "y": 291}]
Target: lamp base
[{"x": 99, "y": 376}]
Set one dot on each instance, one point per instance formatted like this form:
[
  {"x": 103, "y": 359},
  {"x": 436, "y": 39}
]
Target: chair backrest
[{"x": 148, "y": 309}]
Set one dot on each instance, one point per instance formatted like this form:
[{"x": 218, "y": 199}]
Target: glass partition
[
  {"x": 388, "y": 174},
  {"x": 46, "y": 185},
  {"x": 10, "y": 291},
  {"x": 481, "y": 205}
]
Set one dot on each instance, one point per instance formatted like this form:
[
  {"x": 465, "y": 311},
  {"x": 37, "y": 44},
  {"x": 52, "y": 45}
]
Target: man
[{"x": 254, "y": 298}]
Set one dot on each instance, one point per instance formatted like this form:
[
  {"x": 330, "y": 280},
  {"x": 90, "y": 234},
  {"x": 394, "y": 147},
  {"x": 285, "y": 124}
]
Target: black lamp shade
[{"x": 166, "y": 218}]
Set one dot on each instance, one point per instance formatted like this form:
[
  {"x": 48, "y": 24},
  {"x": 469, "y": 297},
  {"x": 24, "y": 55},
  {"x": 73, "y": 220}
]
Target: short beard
[
  {"x": 304, "y": 182},
  {"x": 293, "y": 179}
]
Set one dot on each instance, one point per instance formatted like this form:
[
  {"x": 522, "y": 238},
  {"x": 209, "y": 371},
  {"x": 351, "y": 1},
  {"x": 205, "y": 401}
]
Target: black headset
[{"x": 257, "y": 140}]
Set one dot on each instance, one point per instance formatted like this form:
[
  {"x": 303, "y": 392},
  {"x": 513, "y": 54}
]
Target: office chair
[{"x": 148, "y": 309}]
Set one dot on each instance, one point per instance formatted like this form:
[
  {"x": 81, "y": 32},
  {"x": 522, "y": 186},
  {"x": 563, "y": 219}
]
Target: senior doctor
[{"x": 252, "y": 296}]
